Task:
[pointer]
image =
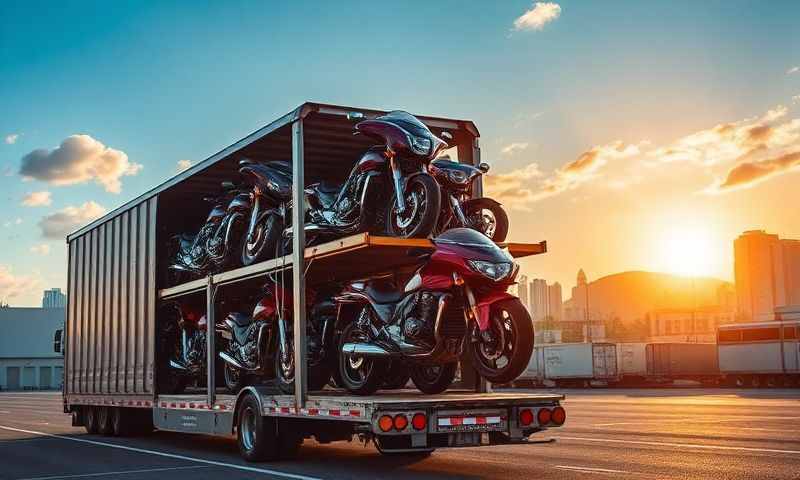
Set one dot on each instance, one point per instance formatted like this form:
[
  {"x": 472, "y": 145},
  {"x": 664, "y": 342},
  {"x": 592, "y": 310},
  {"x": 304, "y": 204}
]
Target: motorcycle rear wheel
[
  {"x": 433, "y": 379},
  {"x": 397, "y": 377},
  {"x": 423, "y": 201},
  {"x": 489, "y": 218},
  {"x": 359, "y": 375},
  {"x": 235, "y": 379},
  {"x": 319, "y": 374},
  {"x": 506, "y": 357}
]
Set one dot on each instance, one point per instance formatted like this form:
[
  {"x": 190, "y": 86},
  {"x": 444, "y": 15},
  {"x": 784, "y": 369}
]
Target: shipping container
[
  {"x": 682, "y": 361},
  {"x": 632, "y": 361},
  {"x": 117, "y": 281}
]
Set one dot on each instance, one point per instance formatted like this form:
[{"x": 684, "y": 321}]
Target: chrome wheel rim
[
  {"x": 248, "y": 427},
  {"x": 485, "y": 222},
  {"x": 415, "y": 205}
]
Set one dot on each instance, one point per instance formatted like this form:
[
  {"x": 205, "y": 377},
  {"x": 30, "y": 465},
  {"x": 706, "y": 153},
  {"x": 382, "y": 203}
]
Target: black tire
[
  {"x": 397, "y": 377},
  {"x": 510, "y": 322},
  {"x": 104, "y": 425},
  {"x": 268, "y": 231},
  {"x": 90, "y": 420},
  {"x": 359, "y": 375},
  {"x": 235, "y": 379},
  {"x": 256, "y": 435},
  {"x": 319, "y": 374},
  {"x": 496, "y": 228},
  {"x": 421, "y": 190},
  {"x": 433, "y": 379},
  {"x": 120, "y": 422}
]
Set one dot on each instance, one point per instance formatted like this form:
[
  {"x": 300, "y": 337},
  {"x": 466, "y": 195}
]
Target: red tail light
[
  {"x": 385, "y": 423},
  {"x": 400, "y": 422},
  {"x": 559, "y": 415},
  {"x": 525, "y": 417},
  {"x": 418, "y": 421},
  {"x": 544, "y": 416}
]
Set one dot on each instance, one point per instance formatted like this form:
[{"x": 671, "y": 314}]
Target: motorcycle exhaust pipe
[
  {"x": 364, "y": 349},
  {"x": 232, "y": 361}
]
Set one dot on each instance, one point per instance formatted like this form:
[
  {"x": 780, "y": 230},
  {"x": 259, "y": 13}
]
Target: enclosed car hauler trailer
[
  {"x": 760, "y": 354},
  {"x": 683, "y": 361},
  {"x": 116, "y": 281},
  {"x": 574, "y": 364}
]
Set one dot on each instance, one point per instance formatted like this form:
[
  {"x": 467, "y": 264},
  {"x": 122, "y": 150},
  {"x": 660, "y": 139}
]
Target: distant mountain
[{"x": 631, "y": 295}]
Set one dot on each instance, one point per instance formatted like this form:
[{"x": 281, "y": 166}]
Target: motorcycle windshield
[
  {"x": 407, "y": 122},
  {"x": 469, "y": 239}
]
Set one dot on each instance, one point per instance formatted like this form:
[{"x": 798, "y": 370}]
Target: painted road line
[
  {"x": 698, "y": 420},
  {"x": 245, "y": 468},
  {"x": 591, "y": 469},
  {"x": 120, "y": 472},
  {"x": 679, "y": 445}
]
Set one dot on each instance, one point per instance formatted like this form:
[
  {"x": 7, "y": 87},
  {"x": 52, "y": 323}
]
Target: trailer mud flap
[{"x": 193, "y": 421}]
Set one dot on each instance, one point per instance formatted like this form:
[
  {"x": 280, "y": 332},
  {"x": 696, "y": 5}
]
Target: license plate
[{"x": 466, "y": 422}]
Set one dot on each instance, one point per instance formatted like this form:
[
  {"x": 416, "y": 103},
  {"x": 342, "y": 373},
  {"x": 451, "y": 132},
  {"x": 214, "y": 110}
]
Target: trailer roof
[{"x": 328, "y": 143}]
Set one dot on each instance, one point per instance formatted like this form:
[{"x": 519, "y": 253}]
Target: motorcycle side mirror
[
  {"x": 446, "y": 136},
  {"x": 483, "y": 167},
  {"x": 226, "y": 185}
]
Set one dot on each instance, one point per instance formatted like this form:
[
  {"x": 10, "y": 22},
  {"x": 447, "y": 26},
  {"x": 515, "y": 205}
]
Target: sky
[{"x": 629, "y": 135}]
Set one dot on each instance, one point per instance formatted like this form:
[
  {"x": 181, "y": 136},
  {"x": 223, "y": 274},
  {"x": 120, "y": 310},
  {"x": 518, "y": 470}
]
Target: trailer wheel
[
  {"x": 104, "y": 425},
  {"x": 433, "y": 379},
  {"x": 90, "y": 421},
  {"x": 120, "y": 423},
  {"x": 256, "y": 435}
]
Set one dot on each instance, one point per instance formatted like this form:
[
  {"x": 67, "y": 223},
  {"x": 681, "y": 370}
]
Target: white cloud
[
  {"x": 514, "y": 188},
  {"x": 12, "y": 138},
  {"x": 538, "y": 16},
  {"x": 513, "y": 148},
  {"x": 41, "y": 249},
  {"x": 183, "y": 165},
  {"x": 37, "y": 199},
  {"x": 793, "y": 70},
  {"x": 796, "y": 99},
  {"x": 79, "y": 159},
  {"x": 11, "y": 223},
  {"x": 60, "y": 224},
  {"x": 12, "y": 285}
]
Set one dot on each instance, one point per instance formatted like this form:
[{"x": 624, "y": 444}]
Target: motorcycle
[
  {"x": 400, "y": 164},
  {"x": 181, "y": 348},
  {"x": 456, "y": 299},
  {"x": 459, "y": 209},
  {"x": 261, "y": 344}
]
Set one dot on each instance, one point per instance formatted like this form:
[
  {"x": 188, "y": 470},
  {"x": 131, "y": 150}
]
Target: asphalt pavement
[{"x": 614, "y": 433}]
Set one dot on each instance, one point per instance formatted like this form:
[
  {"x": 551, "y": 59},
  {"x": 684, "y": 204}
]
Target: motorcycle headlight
[
  {"x": 495, "y": 271},
  {"x": 421, "y": 146},
  {"x": 457, "y": 176}
]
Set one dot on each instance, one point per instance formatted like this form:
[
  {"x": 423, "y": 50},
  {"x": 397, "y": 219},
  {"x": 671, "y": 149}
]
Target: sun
[{"x": 686, "y": 250}]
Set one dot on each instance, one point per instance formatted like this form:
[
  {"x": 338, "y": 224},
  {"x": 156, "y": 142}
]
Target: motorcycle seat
[
  {"x": 383, "y": 292},
  {"x": 239, "y": 319}
]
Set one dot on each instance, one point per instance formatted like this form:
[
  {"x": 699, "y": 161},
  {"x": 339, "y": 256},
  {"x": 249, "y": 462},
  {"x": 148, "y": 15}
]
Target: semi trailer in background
[
  {"x": 682, "y": 361},
  {"x": 117, "y": 281},
  {"x": 760, "y": 354},
  {"x": 571, "y": 364}
]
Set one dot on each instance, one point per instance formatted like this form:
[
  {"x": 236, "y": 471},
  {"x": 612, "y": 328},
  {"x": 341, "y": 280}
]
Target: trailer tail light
[
  {"x": 418, "y": 421},
  {"x": 525, "y": 417},
  {"x": 400, "y": 422},
  {"x": 385, "y": 423},
  {"x": 559, "y": 415},
  {"x": 544, "y": 416}
]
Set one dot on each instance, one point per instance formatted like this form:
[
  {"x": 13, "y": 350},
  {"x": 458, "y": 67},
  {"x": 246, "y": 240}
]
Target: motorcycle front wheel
[
  {"x": 319, "y": 373},
  {"x": 502, "y": 353},
  {"x": 489, "y": 218},
  {"x": 235, "y": 379},
  {"x": 423, "y": 201},
  {"x": 262, "y": 244},
  {"x": 359, "y": 375},
  {"x": 433, "y": 379}
]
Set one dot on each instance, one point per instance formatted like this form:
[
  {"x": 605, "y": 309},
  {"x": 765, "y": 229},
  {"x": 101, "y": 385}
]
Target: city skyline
[{"x": 583, "y": 153}]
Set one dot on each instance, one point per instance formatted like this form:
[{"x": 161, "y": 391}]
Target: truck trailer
[
  {"x": 760, "y": 354},
  {"x": 571, "y": 364},
  {"x": 117, "y": 282}
]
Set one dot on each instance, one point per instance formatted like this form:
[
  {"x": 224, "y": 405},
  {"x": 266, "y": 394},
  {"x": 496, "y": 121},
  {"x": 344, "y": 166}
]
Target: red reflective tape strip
[
  {"x": 355, "y": 413},
  {"x": 335, "y": 413},
  {"x": 183, "y": 405},
  {"x": 191, "y": 405},
  {"x": 285, "y": 410},
  {"x": 173, "y": 405},
  {"x": 163, "y": 404},
  {"x": 481, "y": 420},
  {"x": 456, "y": 420},
  {"x": 313, "y": 411}
]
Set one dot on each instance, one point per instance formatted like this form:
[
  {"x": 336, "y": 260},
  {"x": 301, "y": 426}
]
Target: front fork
[
  {"x": 458, "y": 211},
  {"x": 397, "y": 180},
  {"x": 253, "y": 216}
]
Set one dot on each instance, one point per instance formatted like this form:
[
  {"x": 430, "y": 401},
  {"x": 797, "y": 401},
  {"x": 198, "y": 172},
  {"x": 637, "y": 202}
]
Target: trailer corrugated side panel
[
  {"x": 682, "y": 359},
  {"x": 111, "y": 312}
]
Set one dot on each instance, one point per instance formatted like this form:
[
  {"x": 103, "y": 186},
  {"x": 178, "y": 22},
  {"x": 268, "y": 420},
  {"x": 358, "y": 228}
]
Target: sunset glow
[{"x": 686, "y": 251}]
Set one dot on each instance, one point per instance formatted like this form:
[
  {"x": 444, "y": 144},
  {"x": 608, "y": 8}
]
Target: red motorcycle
[
  {"x": 457, "y": 299},
  {"x": 181, "y": 347}
]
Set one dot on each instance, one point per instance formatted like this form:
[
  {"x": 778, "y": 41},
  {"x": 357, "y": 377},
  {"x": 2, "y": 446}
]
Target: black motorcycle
[
  {"x": 209, "y": 249},
  {"x": 260, "y": 345},
  {"x": 459, "y": 209},
  {"x": 389, "y": 185},
  {"x": 181, "y": 348}
]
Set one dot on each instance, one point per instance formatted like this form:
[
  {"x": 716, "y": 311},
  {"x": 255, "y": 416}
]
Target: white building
[{"x": 27, "y": 357}]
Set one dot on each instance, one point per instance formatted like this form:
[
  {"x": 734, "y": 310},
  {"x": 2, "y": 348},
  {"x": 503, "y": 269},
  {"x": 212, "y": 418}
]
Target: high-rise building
[
  {"x": 767, "y": 271},
  {"x": 555, "y": 301},
  {"x": 522, "y": 291},
  {"x": 53, "y": 298},
  {"x": 538, "y": 299}
]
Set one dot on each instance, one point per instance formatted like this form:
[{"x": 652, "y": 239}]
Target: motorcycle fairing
[
  {"x": 484, "y": 304},
  {"x": 273, "y": 182}
]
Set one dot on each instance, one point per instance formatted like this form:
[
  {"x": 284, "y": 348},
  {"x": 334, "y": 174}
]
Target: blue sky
[{"x": 170, "y": 81}]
